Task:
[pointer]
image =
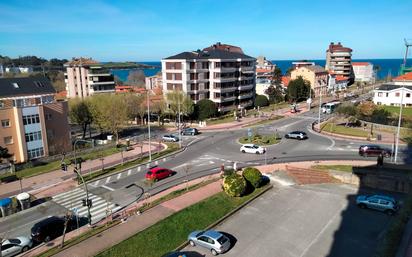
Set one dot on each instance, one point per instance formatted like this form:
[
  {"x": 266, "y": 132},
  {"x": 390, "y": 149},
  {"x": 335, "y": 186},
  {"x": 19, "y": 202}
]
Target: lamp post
[
  {"x": 79, "y": 173},
  {"x": 178, "y": 111},
  {"x": 320, "y": 102},
  {"x": 399, "y": 126},
  {"x": 148, "y": 126}
]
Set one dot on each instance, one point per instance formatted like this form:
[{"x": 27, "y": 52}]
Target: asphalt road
[{"x": 304, "y": 221}]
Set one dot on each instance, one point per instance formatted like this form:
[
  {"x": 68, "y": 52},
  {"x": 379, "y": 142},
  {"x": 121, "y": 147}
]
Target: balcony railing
[{"x": 97, "y": 72}]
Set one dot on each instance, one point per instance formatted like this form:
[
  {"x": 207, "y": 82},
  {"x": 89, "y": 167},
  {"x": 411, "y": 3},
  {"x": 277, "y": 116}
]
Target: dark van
[{"x": 48, "y": 229}]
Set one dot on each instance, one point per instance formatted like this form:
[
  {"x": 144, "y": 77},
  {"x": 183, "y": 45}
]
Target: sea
[{"x": 386, "y": 67}]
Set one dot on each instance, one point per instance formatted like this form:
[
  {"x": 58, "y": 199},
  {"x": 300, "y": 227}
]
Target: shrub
[
  {"x": 234, "y": 185},
  {"x": 261, "y": 101},
  {"x": 253, "y": 176}
]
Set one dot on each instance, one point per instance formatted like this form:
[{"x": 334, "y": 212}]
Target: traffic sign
[{"x": 249, "y": 132}]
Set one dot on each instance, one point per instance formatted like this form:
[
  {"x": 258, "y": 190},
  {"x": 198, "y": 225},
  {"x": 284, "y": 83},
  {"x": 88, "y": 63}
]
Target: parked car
[
  {"x": 189, "y": 131},
  {"x": 158, "y": 173},
  {"x": 297, "y": 135},
  {"x": 212, "y": 240},
  {"x": 14, "y": 246},
  {"x": 170, "y": 138},
  {"x": 374, "y": 150},
  {"x": 251, "y": 148},
  {"x": 49, "y": 228},
  {"x": 382, "y": 203}
]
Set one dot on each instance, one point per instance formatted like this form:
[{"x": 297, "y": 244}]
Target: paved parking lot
[{"x": 304, "y": 221}]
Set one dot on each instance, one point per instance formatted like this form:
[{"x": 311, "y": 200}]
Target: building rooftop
[
  {"x": 341, "y": 78},
  {"x": 361, "y": 63},
  {"x": 226, "y": 47},
  {"x": 316, "y": 68},
  {"x": 338, "y": 48},
  {"x": 404, "y": 77},
  {"x": 38, "y": 85},
  {"x": 81, "y": 62},
  {"x": 209, "y": 54},
  {"x": 389, "y": 87}
]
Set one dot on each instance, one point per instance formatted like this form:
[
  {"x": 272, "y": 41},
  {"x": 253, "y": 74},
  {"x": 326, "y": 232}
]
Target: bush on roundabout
[
  {"x": 253, "y": 176},
  {"x": 234, "y": 185}
]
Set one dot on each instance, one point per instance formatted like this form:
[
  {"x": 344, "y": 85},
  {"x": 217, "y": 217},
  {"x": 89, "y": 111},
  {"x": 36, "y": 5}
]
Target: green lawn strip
[
  {"x": 393, "y": 236},
  {"x": 221, "y": 120},
  {"x": 171, "y": 148},
  {"x": 345, "y": 168},
  {"x": 342, "y": 130},
  {"x": 171, "y": 232},
  {"x": 73, "y": 241},
  {"x": 266, "y": 121},
  {"x": 260, "y": 140},
  {"x": 406, "y": 111}
]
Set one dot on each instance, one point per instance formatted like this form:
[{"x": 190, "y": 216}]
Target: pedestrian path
[{"x": 72, "y": 200}]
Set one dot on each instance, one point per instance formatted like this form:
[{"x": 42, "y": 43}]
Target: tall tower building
[{"x": 339, "y": 60}]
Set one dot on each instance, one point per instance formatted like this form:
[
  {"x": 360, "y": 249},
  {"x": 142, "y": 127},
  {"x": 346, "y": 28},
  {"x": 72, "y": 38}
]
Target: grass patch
[
  {"x": 171, "y": 147},
  {"x": 344, "y": 168},
  {"x": 342, "y": 130},
  {"x": 260, "y": 139},
  {"x": 221, "y": 120},
  {"x": 266, "y": 121},
  {"x": 394, "y": 110},
  {"x": 171, "y": 232},
  {"x": 393, "y": 236}
]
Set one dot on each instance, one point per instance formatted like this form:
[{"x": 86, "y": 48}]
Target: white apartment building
[
  {"x": 363, "y": 72},
  {"x": 153, "y": 82},
  {"x": 339, "y": 60},
  {"x": 262, "y": 85},
  {"x": 225, "y": 76},
  {"x": 85, "y": 77},
  {"x": 391, "y": 94}
]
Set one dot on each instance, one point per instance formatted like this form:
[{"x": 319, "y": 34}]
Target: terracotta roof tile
[
  {"x": 404, "y": 77},
  {"x": 361, "y": 63}
]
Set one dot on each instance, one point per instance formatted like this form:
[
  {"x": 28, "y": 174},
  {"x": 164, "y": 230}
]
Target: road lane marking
[
  {"x": 119, "y": 176},
  {"x": 108, "y": 179},
  {"x": 108, "y": 188},
  {"x": 164, "y": 159},
  {"x": 138, "y": 169},
  {"x": 129, "y": 172},
  {"x": 156, "y": 162}
]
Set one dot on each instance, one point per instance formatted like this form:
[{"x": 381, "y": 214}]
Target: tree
[
  {"x": 114, "y": 114},
  {"x": 348, "y": 111},
  {"x": 277, "y": 76},
  {"x": 275, "y": 94},
  {"x": 205, "y": 109},
  {"x": 117, "y": 80},
  {"x": 4, "y": 153},
  {"x": 136, "y": 78},
  {"x": 365, "y": 109},
  {"x": 80, "y": 113},
  {"x": 234, "y": 185},
  {"x": 57, "y": 80},
  {"x": 298, "y": 89},
  {"x": 159, "y": 108},
  {"x": 253, "y": 176},
  {"x": 136, "y": 106},
  {"x": 178, "y": 99},
  {"x": 261, "y": 100},
  {"x": 380, "y": 116},
  {"x": 289, "y": 71}
]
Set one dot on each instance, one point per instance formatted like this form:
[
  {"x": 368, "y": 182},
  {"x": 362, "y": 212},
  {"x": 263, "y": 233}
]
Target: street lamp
[
  {"x": 320, "y": 101},
  {"x": 399, "y": 124},
  {"x": 148, "y": 126},
  {"x": 178, "y": 111},
  {"x": 79, "y": 173}
]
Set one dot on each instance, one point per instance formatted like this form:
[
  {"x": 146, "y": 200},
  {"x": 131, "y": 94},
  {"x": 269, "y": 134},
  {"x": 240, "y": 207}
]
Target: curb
[{"x": 228, "y": 215}]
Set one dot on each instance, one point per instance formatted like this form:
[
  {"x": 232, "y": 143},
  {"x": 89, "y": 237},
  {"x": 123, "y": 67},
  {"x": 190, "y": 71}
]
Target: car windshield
[
  {"x": 15, "y": 241},
  {"x": 222, "y": 240},
  {"x": 255, "y": 146},
  {"x": 149, "y": 172},
  {"x": 200, "y": 233}
]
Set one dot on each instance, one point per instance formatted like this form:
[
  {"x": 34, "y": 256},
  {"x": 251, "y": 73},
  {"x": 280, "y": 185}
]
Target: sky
[{"x": 148, "y": 30}]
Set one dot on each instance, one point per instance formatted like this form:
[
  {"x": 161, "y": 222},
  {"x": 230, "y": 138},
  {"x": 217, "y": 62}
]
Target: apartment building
[
  {"x": 339, "y": 60},
  {"x": 316, "y": 75},
  {"x": 33, "y": 123},
  {"x": 153, "y": 82},
  {"x": 225, "y": 76},
  {"x": 363, "y": 72},
  {"x": 85, "y": 77}
]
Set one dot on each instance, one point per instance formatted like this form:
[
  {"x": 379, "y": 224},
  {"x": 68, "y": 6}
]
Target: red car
[{"x": 158, "y": 173}]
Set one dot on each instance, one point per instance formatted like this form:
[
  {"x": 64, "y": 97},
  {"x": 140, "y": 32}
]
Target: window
[
  {"x": 1, "y": 104},
  {"x": 8, "y": 140},
  {"x": 380, "y": 94},
  {"x": 48, "y": 116},
  {"x": 35, "y": 153},
  {"x": 397, "y": 94},
  {"x": 5, "y": 123},
  {"x": 33, "y": 136},
  {"x": 31, "y": 119},
  {"x": 387, "y": 94},
  {"x": 408, "y": 94},
  {"x": 38, "y": 83},
  {"x": 15, "y": 85}
]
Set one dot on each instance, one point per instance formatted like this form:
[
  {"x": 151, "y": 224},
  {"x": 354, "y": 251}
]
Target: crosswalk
[{"x": 72, "y": 200}]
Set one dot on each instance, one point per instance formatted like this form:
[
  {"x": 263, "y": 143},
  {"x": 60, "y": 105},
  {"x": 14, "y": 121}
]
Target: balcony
[
  {"x": 226, "y": 108},
  {"x": 93, "y": 83},
  {"x": 245, "y": 104},
  {"x": 246, "y": 87},
  {"x": 247, "y": 68},
  {"x": 226, "y": 89},
  {"x": 95, "y": 72},
  {"x": 246, "y": 95}
]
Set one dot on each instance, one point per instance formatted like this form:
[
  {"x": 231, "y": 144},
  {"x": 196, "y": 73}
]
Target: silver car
[
  {"x": 214, "y": 241},
  {"x": 14, "y": 246},
  {"x": 170, "y": 138},
  {"x": 300, "y": 135},
  {"x": 382, "y": 203}
]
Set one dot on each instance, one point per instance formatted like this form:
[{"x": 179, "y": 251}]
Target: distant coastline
[{"x": 387, "y": 67}]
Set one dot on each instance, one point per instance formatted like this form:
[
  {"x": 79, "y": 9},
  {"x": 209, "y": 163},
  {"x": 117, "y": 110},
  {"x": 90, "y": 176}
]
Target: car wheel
[
  {"x": 192, "y": 243},
  {"x": 47, "y": 239},
  {"x": 286, "y": 136},
  {"x": 243, "y": 151},
  {"x": 25, "y": 249},
  {"x": 390, "y": 212},
  {"x": 257, "y": 152},
  {"x": 362, "y": 206},
  {"x": 214, "y": 252}
]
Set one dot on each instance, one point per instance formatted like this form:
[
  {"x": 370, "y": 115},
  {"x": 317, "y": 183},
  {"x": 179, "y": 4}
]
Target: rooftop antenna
[{"x": 408, "y": 43}]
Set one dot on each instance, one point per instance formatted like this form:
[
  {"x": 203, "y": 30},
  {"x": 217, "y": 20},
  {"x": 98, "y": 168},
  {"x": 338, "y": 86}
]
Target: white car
[
  {"x": 251, "y": 148},
  {"x": 14, "y": 246},
  {"x": 170, "y": 138}
]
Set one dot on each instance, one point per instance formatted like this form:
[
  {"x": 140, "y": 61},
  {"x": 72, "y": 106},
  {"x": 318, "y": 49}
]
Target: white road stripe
[
  {"x": 156, "y": 162},
  {"x": 128, "y": 172},
  {"x": 67, "y": 193},
  {"x": 108, "y": 188},
  {"x": 164, "y": 159},
  {"x": 96, "y": 183},
  {"x": 119, "y": 176},
  {"x": 107, "y": 180},
  {"x": 138, "y": 169}
]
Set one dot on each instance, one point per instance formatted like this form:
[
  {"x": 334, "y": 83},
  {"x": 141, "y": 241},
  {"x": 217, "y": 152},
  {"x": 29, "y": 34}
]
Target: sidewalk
[
  {"x": 135, "y": 223},
  {"x": 41, "y": 182}
]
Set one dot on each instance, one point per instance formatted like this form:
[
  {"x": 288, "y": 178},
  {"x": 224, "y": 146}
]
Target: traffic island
[{"x": 261, "y": 140}]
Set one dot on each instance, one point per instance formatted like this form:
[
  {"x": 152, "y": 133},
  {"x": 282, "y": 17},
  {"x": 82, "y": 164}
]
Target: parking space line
[
  {"x": 138, "y": 169},
  {"x": 108, "y": 188},
  {"x": 119, "y": 176},
  {"x": 128, "y": 172},
  {"x": 108, "y": 179}
]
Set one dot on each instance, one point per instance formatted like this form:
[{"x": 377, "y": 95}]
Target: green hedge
[
  {"x": 253, "y": 176},
  {"x": 234, "y": 185}
]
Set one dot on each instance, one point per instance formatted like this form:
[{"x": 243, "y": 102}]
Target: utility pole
[
  {"x": 320, "y": 104},
  {"x": 148, "y": 126},
  {"x": 399, "y": 124}
]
